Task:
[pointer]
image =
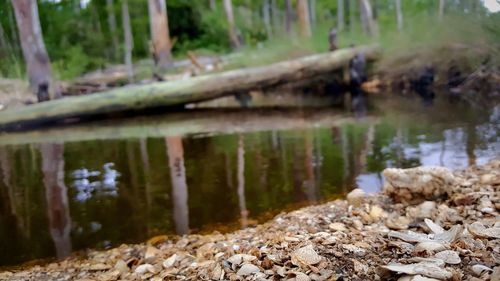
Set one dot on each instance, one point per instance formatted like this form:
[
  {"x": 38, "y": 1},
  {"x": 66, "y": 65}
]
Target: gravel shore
[{"x": 428, "y": 224}]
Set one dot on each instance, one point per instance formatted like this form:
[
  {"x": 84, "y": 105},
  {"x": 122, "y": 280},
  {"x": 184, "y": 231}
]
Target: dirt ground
[{"x": 428, "y": 224}]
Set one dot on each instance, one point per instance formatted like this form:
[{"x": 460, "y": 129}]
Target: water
[{"x": 124, "y": 182}]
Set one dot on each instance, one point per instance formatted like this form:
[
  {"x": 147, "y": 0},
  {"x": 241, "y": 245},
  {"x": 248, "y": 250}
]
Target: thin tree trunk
[
  {"x": 4, "y": 45},
  {"x": 347, "y": 7},
  {"x": 352, "y": 13},
  {"x": 112, "y": 29},
  {"x": 179, "y": 186},
  {"x": 213, "y": 5},
  {"x": 129, "y": 42},
  {"x": 312, "y": 12},
  {"x": 34, "y": 52},
  {"x": 267, "y": 18},
  {"x": 233, "y": 37},
  {"x": 340, "y": 15},
  {"x": 288, "y": 16},
  {"x": 275, "y": 15},
  {"x": 159, "y": 33},
  {"x": 14, "y": 36},
  {"x": 303, "y": 15},
  {"x": 441, "y": 8},
  {"x": 366, "y": 14},
  {"x": 399, "y": 15}
]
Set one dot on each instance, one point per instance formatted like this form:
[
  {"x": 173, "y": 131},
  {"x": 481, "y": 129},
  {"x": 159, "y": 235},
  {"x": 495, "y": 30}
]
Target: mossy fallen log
[{"x": 177, "y": 93}]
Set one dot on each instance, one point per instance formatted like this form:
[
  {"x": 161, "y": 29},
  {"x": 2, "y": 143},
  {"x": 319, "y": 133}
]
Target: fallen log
[{"x": 176, "y": 93}]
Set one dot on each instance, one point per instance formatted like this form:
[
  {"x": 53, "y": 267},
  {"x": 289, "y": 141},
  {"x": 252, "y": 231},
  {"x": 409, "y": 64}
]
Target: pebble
[
  {"x": 356, "y": 197},
  {"x": 247, "y": 269}
]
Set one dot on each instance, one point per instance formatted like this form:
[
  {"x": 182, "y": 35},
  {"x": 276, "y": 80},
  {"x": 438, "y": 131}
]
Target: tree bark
[
  {"x": 366, "y": 13},
  {"x": 441, "y": 8},
  {"x": 233, "y": 36},
  {"x": 34, "y": 52},
  {"x": 288, "y": 16},
  {"x": 399, "y": 15},
  {"x": 303, "y": 15},
  {"x": 175, "y": 93},
  {"x": 340, "y": 15},
  {"x": 160, "y": 36},
  {"x": 112, "y": 29},
  {"x": 129, "y": 42}
]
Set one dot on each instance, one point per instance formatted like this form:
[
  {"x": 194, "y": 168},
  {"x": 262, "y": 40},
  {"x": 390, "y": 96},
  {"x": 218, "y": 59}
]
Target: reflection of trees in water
[
  {"x": 241, "y": 182},
  {"x": 56, "y": 195},
  {"x": 147, "y": 182},
  {"x": 175, "y": 152},
  {"x": 309, "y": 165}
]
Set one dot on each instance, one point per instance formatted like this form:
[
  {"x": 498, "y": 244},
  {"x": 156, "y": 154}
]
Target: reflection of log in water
[
  {"x": 241, "y": 182},
  {"x": 186, "y": 123},
  {"x": 175, "y": 151},
  {"x": 57, "y": 197}
]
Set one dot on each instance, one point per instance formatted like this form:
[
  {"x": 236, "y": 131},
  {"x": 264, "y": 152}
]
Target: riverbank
[{"x": 429, "y": 223}]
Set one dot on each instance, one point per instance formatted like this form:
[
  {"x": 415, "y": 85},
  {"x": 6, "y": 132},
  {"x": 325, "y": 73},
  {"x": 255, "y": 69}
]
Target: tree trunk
[
  {"x": 275, "y": 15},
  {"x": 399, "y": 15},
  {"x": 312, "y": 12},
  {"x": 288, "y": 16},
  {"x": 14, "y": 36},
  {"x": 441, "y": 8},
  {"x": 213, "y": 5},
  {"x": 303, "y": 15},
  {"x": 375, "y": 9},
  {"x": 348, "y": 9},
  {"x": 340, "y": 15},
  {"x": 35, "y": 55},
  {"x": 112, "y": 29},
  {"x": 4, "y": 45},
  {"x": 369, "y": 25},
  {"x": 233, "y": 36},
  {"x": 160, "y": 36},
  {"x": 266, "y": 9},
  {"x": 129, "y": 42}
]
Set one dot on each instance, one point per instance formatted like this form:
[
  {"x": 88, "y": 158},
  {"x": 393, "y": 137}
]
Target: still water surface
[{"x": 111, "y": 186}]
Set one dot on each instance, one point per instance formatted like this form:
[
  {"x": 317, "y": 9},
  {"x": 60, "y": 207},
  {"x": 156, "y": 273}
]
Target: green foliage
[{"x": 78, "y": 39}]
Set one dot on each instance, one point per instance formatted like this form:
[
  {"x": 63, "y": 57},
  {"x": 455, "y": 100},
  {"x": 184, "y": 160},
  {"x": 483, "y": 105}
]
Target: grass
[{"x": 465, "y": 40}]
